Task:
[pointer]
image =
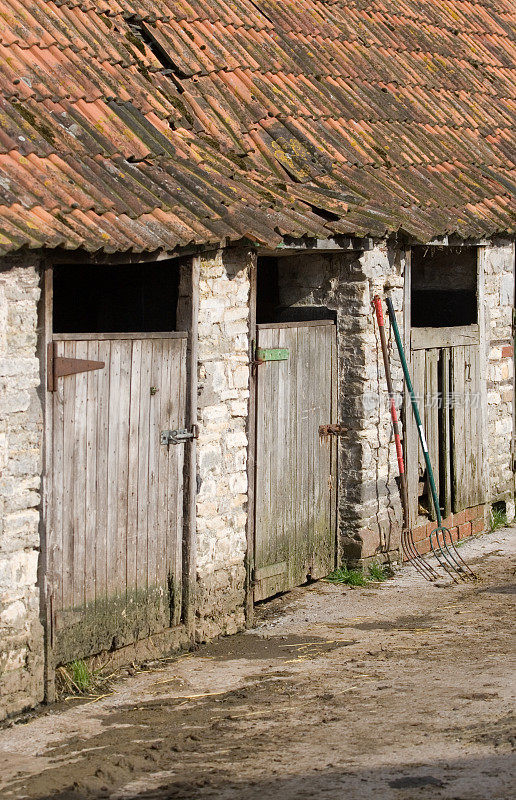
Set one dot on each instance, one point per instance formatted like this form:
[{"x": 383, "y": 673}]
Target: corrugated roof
[{"x": 146, "y": 124}]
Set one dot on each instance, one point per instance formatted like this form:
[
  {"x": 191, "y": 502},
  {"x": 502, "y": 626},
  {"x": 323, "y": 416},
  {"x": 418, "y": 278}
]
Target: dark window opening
[
  {"x": 129, "y": 298},
  {"x": 444, "y": 287},
  {"x": 143, "y": 32},
  {"x": 274, "y": 282},
  {"x": 267, "y": 293}
]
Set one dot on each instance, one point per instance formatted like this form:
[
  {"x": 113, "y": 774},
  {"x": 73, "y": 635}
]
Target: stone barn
[{"x": 198, "y": 202}]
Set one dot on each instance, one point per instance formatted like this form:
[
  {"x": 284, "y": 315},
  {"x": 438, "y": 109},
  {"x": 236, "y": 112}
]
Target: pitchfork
[
  {"x": 441, "y": 541},
  {"x": 408, "y": 544}
]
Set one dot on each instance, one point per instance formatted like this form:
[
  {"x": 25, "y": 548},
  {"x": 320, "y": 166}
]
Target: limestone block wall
[
  {"x": 21, "y": 431},
  {"x": 369, "y": 504},
  {"x": 498, "y": 289},
  {"x": 223, "y": 359}
]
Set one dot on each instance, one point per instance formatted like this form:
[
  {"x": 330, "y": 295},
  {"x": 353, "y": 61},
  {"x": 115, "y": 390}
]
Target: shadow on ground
[{"x": 486, "y": 778}]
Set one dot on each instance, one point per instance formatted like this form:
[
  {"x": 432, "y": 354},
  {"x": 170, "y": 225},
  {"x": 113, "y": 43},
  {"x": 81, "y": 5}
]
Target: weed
[
  {"x": 498, "y": 517},
  {"x": 78, "y": 679},
  {"x": 379, "y": 572},
  {"x": 351, "y": 577},
  {"x": 357, "y": 577}
]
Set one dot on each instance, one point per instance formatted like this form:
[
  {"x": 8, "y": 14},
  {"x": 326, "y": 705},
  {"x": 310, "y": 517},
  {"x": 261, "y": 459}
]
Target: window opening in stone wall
[
  {"x": 129, "y": 298},
  {"x": 281, "y": 295},
  {"x": 444, "y": 287}
]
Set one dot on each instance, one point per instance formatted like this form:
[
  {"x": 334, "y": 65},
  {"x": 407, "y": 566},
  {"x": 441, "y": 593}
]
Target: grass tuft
[
  {"x": 498, "y": 518},
  {"x": 351, "y": 577},
  {"x": 357, "y": 577},
  {"x": 380, "y": 572},
  {"x": 77, "y": 679}
]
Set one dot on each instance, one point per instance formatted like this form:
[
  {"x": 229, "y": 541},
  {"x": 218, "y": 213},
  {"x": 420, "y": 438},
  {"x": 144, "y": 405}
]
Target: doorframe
[
  {"x": 189, "y": 324},
  {"x": 251, "y": 442},
  {"x": 45, "y": 577}
]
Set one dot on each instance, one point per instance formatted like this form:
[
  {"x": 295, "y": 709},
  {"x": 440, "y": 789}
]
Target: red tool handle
[
  {"x": 377, "y": 303},
  {"x": 379, "y": 311}
]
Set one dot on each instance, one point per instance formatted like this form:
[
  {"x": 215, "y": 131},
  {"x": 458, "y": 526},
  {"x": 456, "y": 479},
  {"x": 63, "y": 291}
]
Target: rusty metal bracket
[
  {"x": 60, "y": 367},
  {"x": 332, "y": 430}
]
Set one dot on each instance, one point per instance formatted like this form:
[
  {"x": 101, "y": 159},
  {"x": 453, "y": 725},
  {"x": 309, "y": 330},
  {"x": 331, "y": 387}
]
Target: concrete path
[{"x": 400, "y": 691}]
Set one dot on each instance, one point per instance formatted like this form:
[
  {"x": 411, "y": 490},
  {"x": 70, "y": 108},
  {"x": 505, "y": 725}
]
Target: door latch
[{"x": 179, "y": 436}]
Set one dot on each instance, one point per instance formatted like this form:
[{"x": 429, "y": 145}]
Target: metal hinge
[
  {"x": 179, "y": 436},
  {"x": 332, "y": 430},
  {"x": 60, "y": 367}
]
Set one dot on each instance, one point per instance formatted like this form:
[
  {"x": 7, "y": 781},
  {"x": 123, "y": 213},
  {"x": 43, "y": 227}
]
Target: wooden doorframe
[
  {"x": 45, "y": 579},
  {"x": 251, "y": 443},
  {"x": 189, "y": 323}
]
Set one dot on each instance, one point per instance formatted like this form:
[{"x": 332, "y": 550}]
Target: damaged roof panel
[{"x": 149, "y": 124}]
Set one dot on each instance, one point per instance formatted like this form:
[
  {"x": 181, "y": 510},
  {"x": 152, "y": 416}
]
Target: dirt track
[{"x": 399, "y": 692}]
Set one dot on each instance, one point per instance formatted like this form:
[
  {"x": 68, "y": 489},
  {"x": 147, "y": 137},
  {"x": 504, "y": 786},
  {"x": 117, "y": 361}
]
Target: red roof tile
[{"x": 146, "y": 124}]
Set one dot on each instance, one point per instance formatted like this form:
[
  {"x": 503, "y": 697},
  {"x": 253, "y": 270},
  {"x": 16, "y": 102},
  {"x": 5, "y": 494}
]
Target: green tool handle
[{"x": 415, "y": 409}]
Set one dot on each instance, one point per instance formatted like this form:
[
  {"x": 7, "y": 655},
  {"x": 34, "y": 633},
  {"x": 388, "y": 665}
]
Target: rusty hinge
[
  {"x": 59, "y": 366},
  {"x": 332, "y": 430}
]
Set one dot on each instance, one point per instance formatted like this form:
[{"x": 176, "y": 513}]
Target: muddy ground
[{"x": 400, "y": 691}]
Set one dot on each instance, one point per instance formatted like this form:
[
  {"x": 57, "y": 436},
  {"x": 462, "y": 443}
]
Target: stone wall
[
  {"x": 223, "y": 359},
  {"x": 498, "y": 268},
  {"x": 21, "y": 635},
  {"x": 369, "y": 504}
]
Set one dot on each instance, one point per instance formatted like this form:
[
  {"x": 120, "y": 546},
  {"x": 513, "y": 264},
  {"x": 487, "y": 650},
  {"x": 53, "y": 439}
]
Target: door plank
[
  {"x": 153, "y": 479},
  {"x": 432, "y": 421},
  {"x": 92, "y": 381},
  {"x": 102, "y": 400},
  {"x": 142, "y": 576},
  {"x": 458, "y": 430},
  {"x": 114, "y": 567},
  {"x": 122, "y": 499},
  {"x": 446, "y": 477},
  {"x": 79, "y": 481},
  {"x": 55, "y": 549},
  {"x": 132, "y": 471},
  {"x": 68, "y": 481}
]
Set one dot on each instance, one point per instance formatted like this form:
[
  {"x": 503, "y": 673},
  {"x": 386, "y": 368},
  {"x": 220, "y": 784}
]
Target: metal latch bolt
[{"x": 179, "y": 436}]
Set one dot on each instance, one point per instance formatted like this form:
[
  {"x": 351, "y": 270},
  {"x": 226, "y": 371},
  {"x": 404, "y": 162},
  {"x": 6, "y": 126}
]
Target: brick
[
  {"x": 420, "y": 533},
  {"x": 424, "y": 546},
  {"x": 465, "y": 530},
  {"x": 460, "y": 518},
  {"x": 507, "y": 351},
  {"x": 454, "y": 532},
  {"x": 478, "y": 526}
]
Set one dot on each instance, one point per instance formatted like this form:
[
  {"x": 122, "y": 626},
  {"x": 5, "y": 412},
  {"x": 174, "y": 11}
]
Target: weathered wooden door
[
  {"x": 447, "y": 381},
  {"x": 296, "y": 484},
  {"x": 115, "y": 527}
]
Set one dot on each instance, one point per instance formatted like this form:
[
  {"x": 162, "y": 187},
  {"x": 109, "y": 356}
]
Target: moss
[
  {"x": 111, "y": 623},
  {"x": 46, "y": 132},
  {"x": 134, "y": 40},
  {"x": 142, "y": 69},
  {"x": 181, "y": 107}
]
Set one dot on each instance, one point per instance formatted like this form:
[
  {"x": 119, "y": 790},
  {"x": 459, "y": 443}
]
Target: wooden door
[
  {"x": 445, "y": 365},
  {"x": 296, "y": 491},
  {"x": 116, "y": 510}
]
